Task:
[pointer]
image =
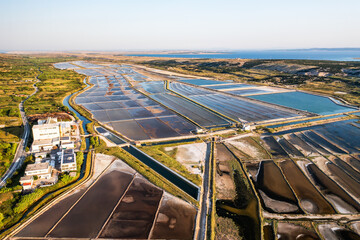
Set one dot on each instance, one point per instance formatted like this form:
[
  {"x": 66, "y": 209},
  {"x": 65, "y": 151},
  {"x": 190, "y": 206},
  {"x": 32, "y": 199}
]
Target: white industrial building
[
  {"x": 42, "y": 170},
  {"x": 53, "y": 148},
  {"x": 50, "y": 133},
  {"x": 68, "y": 160}
]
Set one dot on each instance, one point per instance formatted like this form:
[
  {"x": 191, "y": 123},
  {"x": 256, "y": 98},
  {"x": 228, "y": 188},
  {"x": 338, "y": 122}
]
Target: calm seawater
[{"x": 271, "y": 54}]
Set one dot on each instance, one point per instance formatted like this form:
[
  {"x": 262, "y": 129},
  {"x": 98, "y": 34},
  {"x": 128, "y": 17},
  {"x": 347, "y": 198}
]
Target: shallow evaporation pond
[
  {"x": 201, "y": 82},
  {"x": 304, "y": 101},
  {"x": 110, "y": 136},
  {"x": 305, "y": 121},
  {"x": 229, "y": 86}
]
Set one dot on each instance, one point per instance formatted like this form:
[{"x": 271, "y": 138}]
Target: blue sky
[{"x": 173, "y": 24}]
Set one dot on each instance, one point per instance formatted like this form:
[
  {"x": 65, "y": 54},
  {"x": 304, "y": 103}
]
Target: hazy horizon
[{"x": 160, "y": 25}]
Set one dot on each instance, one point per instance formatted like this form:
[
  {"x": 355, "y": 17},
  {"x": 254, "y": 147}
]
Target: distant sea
[{"x": 334, "y": 55}]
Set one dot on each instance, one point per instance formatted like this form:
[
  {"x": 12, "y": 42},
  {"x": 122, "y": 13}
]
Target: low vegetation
[
  {"x": 7, "y": 152},
  {"x": 226, "y": 228},
  {"x": 54, "y": 85}
]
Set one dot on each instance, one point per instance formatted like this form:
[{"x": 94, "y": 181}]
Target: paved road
[
  {"x": 20, "y": 154},
  {"x": 205, "y": 198}
]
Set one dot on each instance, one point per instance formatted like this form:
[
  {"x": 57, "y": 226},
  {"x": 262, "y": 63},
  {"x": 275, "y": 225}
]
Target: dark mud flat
[
  {"x": 269, "y": 232},
  {"x": 271, "y": 181},
  {"x": 349, "y": 183},
  {"x": 181, "y": 127},
  {"x": 348, "y": 169},
  {"x": 316, "y": 146},
  {"x": 300, "y": 144},
  {"x": 274, "y": 147},
  {"x": 90, "y": 213},
  {"x": 136, "y": 211},
  {"x": 289, "y": 231},
  {"x": 344, "y": 234},
  {"x": 130, "y": 129},
  {"x": 310, "y": 199},
  {"x": 176, "y": 220},
  {"x": 198, "y": 114},
  {"x": 355, "y": 163},
  {"x": 223, "y": 154},
  {"x": 157, "y": 129},
  {"x": 330, "y": 186},
  {"x": 42, "y": 224},
  {"x": 342, "y": 134},
  {"x": 140, "y": 113},
  {"x": 323, "y": 142},
  {"x": 290, "y": 149},
  {"x": 118, "y": 114},
  {"x": 236, "y": 108}
]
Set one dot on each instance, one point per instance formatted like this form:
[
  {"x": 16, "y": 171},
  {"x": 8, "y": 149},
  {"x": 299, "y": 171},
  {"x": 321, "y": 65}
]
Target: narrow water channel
[
  {"x": 173, "y": 177},
  {"x": 84, "y": 122}
]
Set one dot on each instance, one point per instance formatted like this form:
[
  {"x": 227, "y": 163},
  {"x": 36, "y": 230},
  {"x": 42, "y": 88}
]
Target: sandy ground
[
  {"x": 225, "y": 187},
  {"x": 326, "y": 232},
  {"x": 302, "y": 165},
  {"x": 192, "y": 156},
  {"x": 175, "y": 220},
  {"x": 108, "y": 143},
  {"x": 304, "y": 148},
  {"x": 321, "y": 163},
  {"x": 277, "y": 206},
  {"x": 356, "y": 227},
  {"x": 294, "y": 231},
  {"x": 244, "y": 146},
  {"x": 340, "y": 205},
  {"x": 102, "y": 161}
]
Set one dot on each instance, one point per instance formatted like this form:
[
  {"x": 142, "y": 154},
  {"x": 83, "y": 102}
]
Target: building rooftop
[
  {"x": 37, "y": 166},
  {"x": 26, "y": 178},
  {"x": 46, "y": 125},
  {"x": 68, "y": 156},
  {"x": 47, "y": 121},
  {"x": 65, "y": 138},
  {"x": 42, "y": 142}
]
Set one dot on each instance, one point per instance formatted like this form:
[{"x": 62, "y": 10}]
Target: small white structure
[
  {"x": 66, "y": 143},
  {"x": 68, "y": 160},
  {"x": 42, "y": 170},
  {"x": 26, "y": 182}
]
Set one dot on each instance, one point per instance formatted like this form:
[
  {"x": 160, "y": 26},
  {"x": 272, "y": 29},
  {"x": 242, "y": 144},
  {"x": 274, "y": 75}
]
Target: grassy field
[
  {"x": 54, "y": 85},
  {"x": 17, "y": 76}
]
